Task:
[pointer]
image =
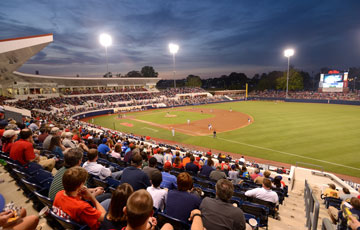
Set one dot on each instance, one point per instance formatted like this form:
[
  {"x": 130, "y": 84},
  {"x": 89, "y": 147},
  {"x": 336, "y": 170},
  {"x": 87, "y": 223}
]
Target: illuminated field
[{"x": 321, "y": 134}]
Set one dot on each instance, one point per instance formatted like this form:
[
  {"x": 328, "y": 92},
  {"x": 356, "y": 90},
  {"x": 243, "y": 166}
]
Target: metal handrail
[{"x": 312, "y": 208}]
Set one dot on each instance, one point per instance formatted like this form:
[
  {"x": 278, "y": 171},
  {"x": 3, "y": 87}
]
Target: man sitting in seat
[
  {"x": 23, "y": 151},
  {"x": 134, "y": 175},
  {"x": 331, "y": 191},
  {"x": 265, "y": 193},
  {"x": 72, "y": 158},
  {"x": 97, "y": 169},
  {"x": 218, "y": 213},
  {"x": 70, "y": 203},
  {"x": 217, "y": 174}
]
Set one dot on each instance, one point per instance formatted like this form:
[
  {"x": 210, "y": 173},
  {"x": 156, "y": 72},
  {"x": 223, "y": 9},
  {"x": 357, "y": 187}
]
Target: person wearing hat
[
  {"x": 8, "y": 139},
  {"x": 168, "y": 180},
  {"x": 103, "y": 148},
  {"x": 55, "y": 131}
]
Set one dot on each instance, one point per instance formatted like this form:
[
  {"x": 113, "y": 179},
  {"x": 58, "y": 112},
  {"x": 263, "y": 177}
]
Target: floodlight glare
[
  {"x": 173, "y": 48},
  {"x": 289, "y": 52},
  {"x": 105, "y": 40}
]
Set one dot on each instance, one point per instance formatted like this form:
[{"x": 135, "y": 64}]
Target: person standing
[
  {"x": 173, "y": 132},
  {"x": 214, "y": 134}
]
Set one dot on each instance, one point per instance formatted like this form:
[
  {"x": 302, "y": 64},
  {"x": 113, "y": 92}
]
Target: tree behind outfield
[
  {"x": 148, "y": 71},
  {"x": 296, "y": 81},
  {"x": 193, "y": 81},
  {"x": 134, "y": 73}
]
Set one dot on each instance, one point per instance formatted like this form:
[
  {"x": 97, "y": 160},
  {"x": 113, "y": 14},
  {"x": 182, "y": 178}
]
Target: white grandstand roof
[{"x": 15, "y": 52}]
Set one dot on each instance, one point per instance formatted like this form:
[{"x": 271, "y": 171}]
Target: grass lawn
[{"x": 321, "y": 134}]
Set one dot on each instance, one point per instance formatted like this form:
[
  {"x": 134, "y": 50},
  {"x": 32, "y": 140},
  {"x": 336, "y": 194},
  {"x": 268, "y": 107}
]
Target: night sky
[{"x": 215, "y": 37}]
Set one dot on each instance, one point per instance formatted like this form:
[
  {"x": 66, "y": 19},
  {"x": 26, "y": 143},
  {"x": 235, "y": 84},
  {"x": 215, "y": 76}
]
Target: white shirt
[
  {"x": 115, "y": 154},
  {"x": 263, "y": 194},
  {"x": 168, "y": 157},
  {"x": 97, "y": 169},
  {"x": 159, "y": 196}
]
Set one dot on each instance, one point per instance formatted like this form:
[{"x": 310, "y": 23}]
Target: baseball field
[{"x": 321, "y": 134}]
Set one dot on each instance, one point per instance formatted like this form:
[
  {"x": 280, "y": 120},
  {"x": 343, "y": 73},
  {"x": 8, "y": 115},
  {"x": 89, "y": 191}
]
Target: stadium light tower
[
  {"x": 174, "y": 49},
  {"x": 288, "y": 53},
  {"x": 106, "y": 41}
]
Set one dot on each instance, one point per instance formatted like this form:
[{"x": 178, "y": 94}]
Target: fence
[{"x": 311, "y": 207}]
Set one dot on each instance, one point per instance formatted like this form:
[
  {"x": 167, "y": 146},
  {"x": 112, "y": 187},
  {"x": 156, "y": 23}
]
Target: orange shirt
[{"x": 186, "y": 160}]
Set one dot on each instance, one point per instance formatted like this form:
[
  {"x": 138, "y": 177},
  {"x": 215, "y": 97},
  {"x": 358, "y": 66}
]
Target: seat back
[
  {"x": 44, "y": 199},
  {"x": 162, "y": 219},
  {"x": 100, "y": 183},
  {"x": 270, "y": 205},
  {"x": 31, "y": 186},
  {"x": 68, "y": 224},
  {"x": 259, "y": 211},
  {"x": 331, "y": 201}
]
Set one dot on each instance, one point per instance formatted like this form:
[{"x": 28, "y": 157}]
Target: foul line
[
  {"x": 154, "y": 130},
  {"x": 286, "y": 153}
]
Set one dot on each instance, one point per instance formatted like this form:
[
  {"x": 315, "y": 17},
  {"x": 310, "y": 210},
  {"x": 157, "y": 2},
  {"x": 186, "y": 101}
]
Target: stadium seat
[
  {"x": 100, "y": 183},
  {"x": 330, "y": 201},
  {"x": 259, "y": 211},
  {"x": 68, "y": 224},
  {"x": 272, "y": 206},
  {"x": 162, "y": 219}
]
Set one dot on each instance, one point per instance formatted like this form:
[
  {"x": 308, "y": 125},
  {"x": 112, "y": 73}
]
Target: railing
[
  {"x": 311, "y": 207},
  {"x": 312, "y": 165},
  {"x": 327, "y": 225}
]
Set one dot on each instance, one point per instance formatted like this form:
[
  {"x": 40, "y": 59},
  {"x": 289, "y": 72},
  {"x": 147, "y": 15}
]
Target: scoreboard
[{"x": 333, "y": 81}]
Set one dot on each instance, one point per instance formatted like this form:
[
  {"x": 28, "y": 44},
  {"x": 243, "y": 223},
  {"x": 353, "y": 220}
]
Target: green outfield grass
[{"x": 321, "y": 134}]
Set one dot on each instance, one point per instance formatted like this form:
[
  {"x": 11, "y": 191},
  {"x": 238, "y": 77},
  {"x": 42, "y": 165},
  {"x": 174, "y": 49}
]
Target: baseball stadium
[{"x": 303, "y": 145}]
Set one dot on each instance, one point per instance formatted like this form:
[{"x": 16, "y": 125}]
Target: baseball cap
[
  {"x": 104, "y": 140},
  {"x": 167, "y": 164},
  {"x": 10, "y": 133}
]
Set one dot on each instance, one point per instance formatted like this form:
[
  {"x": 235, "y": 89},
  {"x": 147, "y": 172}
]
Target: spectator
[
  {"x": 116, "y": 153},
  {"x": 56, "y": 147},
  {"x": 115, "y": 217},
  {"x": 191, "y": 167},
  {"x": 68, "y": 142},
  {"x": 72, "y": 158},
  {"x": 177, "y": 163},
  {"x": 158, "y": 194},
  {"x": 186, "y": 159},
  {"x": 44, "y": 133},
  {"x": 34, "y": 125},
  {"x": 346, "y": 194},
  {"x": 331, "y": 191},
  {"x": 23, "y": 151},
  {"x": 168, "y": 180},
  {"x": 139, "y": 212},
  {"x": 217, "y": 174},
  {"x": 260, "y": 179},
  {"x": 244, "y": 172},
  {"x": 264, "y": 193},
  {"x": 278, "y": 183},
  {"x": 255, "y": 174},
  {"x": 159, "y": 157},
  {"x": 54, "y": 132},
  {"x": 134, "y": 175},
  {"x": 176, "y": 207},
  {"x": 103, "y": 148},
  {"x": 149, "y": 170},
  {"x": 233, "y": 174},
  {"x": 208, "y": 168},
  {"x": 97, "y": 169},
  {"x": 242, "y": 160},
  {"x": 68, "y": 203},
  {"x": 338, "y": 216},
  {"x": 168, "y": 156},
  {"x": 8, "y": 139},
  {"x": 23, "y": 221},
  {"x": 219, "y": 213}
]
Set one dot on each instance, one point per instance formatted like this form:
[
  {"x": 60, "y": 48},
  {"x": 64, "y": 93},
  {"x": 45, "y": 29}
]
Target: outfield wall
[{"x": 322, "y": 101}]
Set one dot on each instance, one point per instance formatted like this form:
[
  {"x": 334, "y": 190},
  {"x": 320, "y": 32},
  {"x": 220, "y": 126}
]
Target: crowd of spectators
[
  {"x": 351, "y": 96},
  {"x": 146, "y": 177},
  {"x": 97, "y": 91},
  {"x": 171, "y": 92}
]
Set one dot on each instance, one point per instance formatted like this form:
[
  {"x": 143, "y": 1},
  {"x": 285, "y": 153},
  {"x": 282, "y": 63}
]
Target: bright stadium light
[
  {"x": 288, "y": 53},
  {"x": 106, "y": 41},
  {"x": 173, "y": 50}
]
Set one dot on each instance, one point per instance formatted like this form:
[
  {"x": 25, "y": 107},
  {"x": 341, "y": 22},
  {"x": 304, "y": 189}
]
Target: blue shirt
[
  {"x": 135, "y": 177},
  {"x": 206, "y": 170},
  {"x": 103, "y": 148},
  {"x": 179, "y": 204},
  {"x": 168, "y": 181}
]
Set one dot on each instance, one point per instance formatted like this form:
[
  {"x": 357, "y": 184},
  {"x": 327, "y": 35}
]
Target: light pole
[
  {"x": 105, "y": 40},
  {"x": 288, "y": 53},
  {"x": 174, "y": 49}
]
